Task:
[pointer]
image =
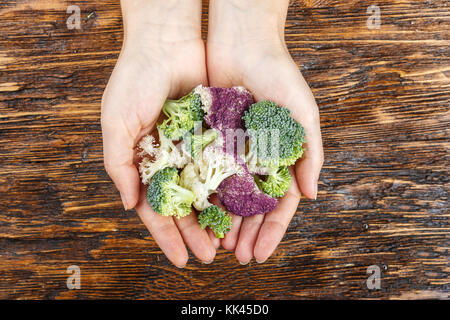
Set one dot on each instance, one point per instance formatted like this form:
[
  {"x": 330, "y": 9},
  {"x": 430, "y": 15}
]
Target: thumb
[
  {"x": 118, "y": 152},
  {"x": 304, "y": 110},
  {"x": 307, "y": 169}
]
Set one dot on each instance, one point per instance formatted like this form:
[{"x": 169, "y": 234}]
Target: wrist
[
  {"x": 234, "y": 22},
  {"x": 161, "y": 20}
]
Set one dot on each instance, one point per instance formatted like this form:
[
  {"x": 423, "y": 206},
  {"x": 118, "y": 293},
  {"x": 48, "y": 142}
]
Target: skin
[
  {"x": 158, "y": 60},
  {"x": 163, "y": 56},
  {"x": 246, "y": 47}
]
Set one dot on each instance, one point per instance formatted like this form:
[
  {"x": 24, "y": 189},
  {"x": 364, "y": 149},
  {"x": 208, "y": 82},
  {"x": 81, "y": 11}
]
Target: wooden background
[{"x": 384, "y": 190}]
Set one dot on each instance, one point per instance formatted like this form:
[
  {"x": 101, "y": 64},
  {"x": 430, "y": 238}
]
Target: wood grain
[{"x": 384, "y": 191}]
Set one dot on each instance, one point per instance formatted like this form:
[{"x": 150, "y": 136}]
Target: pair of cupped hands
[{"x": 164, "y": 56}]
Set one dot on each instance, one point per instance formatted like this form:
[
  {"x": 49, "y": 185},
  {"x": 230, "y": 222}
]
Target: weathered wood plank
[{"x": 384, "y": 97}]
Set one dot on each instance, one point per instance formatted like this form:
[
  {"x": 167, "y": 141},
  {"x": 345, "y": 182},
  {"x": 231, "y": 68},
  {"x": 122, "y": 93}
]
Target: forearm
[
  {"x": 171, "y": 20},
  {"x": 252, "y": 19}
]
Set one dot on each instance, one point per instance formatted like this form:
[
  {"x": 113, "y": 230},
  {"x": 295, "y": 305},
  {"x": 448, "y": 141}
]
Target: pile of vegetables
[{"x": 218, "y": 140}]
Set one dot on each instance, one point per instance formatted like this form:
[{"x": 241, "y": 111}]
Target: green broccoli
[
  {"x": 194, "y": 144},
  {"x": 166, "y": 197},
  {"x": 284, "y": 137},
  {"x": 276, "y": 183},
  {"x": 217, "y": 219},
  {"x": 182, "y": 115}
]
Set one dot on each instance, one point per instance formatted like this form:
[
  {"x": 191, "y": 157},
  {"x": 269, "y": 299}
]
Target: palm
[
  {"x": 269, "y": 73},
  {"x": 131, "y": 106},
  {"x": 142, "y": 81}
]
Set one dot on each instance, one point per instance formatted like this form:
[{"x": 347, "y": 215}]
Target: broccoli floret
[
  {"x": 217, "y": 219},
  {"x": 166, "y": 197},
  {"x": 182, "y": 115},
  {"x": 276, "y": 183},
  {"x": 204, "y": 175},
  {"x": 157, "y": 157},
  {"x": 240, "y": 195},
  {"x": 276, "y": 137},
  {"x": 253, "y": 162},
  {"x": 194, "y": 144}
]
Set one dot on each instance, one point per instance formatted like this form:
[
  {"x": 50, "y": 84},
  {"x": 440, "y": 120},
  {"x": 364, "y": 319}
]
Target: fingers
[
  {"x": 118, "y": 155},
  {"x": 215, "y": 241},
  {"x": 275, "y": 224},
  {"x": 307, "y": 169},
  {"x": 230, "y": 240},
  {"x": 196, "y": 239},
  {"x": 247, "y": 238},
  {"x": 307, "y": 113},
  {"x": 164, "y": 231},
  {"x": 118, "y": 143},
  {"x": 125, "y": 119},
  {"x": 231, "y": 237}
]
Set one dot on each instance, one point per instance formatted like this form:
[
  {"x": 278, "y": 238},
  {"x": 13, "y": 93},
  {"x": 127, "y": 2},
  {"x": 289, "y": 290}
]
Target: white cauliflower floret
[
  {"x": 166, "y": 154},
  {"x": 148, "y": 167},
  {"x": 189, "y": 179},
  {"x": 148, "y": 146},
  {"x": 178, "y": 157},
  {"x": 204, "y": 175},
  {"x": 215, "y": 166}
]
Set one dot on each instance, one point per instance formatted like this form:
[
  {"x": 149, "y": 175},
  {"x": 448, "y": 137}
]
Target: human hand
[
  {"x": 162, "y": 56},
  {"x": 246, "y": 47}
]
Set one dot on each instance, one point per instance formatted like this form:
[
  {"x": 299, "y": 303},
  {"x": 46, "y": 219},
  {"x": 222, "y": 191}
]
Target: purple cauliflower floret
[
  {"x": 240, "y": 195},
  {"x": 224, "y": 107}
]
